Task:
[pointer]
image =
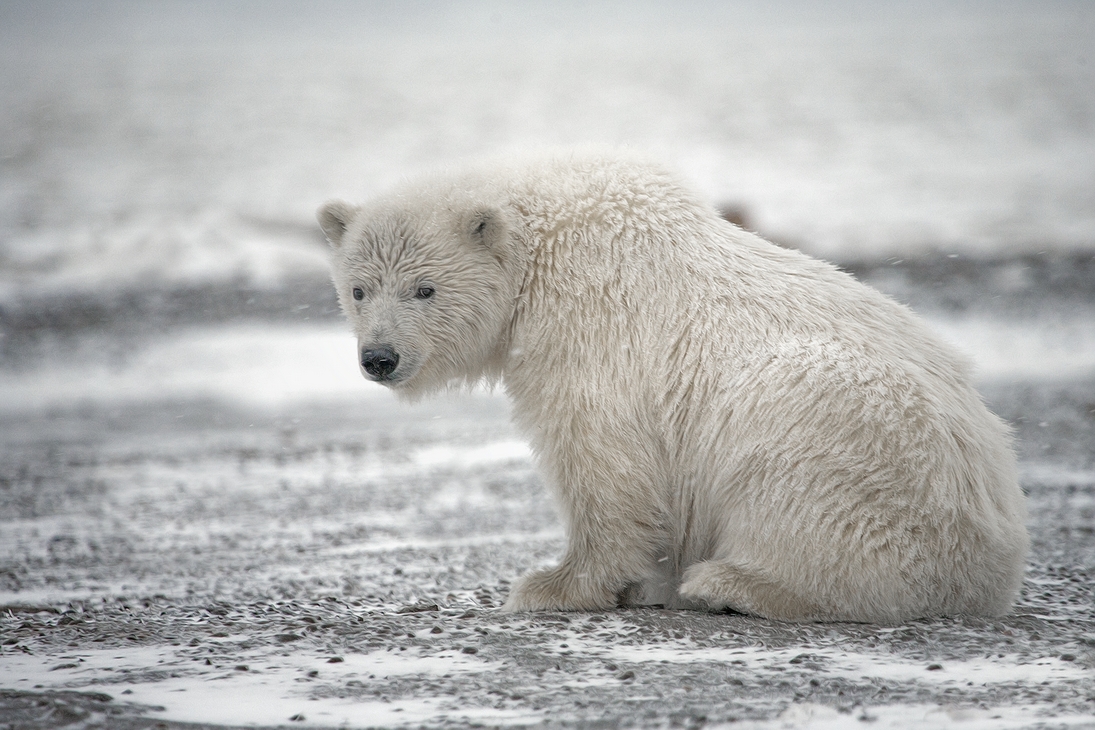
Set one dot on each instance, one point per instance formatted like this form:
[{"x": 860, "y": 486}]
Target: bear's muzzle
[{"x": 379, "y": 362}]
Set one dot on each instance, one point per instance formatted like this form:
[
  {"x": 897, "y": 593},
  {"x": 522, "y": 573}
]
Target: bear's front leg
[
  {"x": 615, "y": 520},
  {"x": 585, "y": 580}
]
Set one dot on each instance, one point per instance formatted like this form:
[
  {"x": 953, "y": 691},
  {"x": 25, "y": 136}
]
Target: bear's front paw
[{"x": 558, "y": 589}]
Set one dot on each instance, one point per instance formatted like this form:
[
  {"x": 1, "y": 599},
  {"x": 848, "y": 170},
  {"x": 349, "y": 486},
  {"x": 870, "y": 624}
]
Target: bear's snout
[{"x": 379, "y": 362}]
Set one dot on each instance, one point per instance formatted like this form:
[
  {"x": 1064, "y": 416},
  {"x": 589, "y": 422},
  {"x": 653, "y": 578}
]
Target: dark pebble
[
  {"x": 242, "y": 667},
  {"x": 934, "y": 667},
  {"x": 470, "y": 650},
  {"x": 1068, "y": 657},
  {"x": 335, "y": 660},
  {"x": 624, "y": 676}
]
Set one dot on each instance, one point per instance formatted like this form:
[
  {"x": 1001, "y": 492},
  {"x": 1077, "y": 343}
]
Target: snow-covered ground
[{"x": 204, "y": 509}]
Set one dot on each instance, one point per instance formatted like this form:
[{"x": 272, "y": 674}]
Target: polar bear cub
[{"x": 726, "y": 424}]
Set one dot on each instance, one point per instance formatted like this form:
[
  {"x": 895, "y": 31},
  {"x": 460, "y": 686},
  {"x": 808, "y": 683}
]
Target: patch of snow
[
  {"x": 59, "y": 596},
  {"x": 812, "y": 716},
  {"x": 1005, "y": 350},
  {"x": 257, "y": 365},
  {"x": 1055, "y": 475},
  {"x": 833, "y": 662},
  {"x": 156, "y": 250},
  {"x": 269, "y": 692},
  {"x": 447, "y": 455}
]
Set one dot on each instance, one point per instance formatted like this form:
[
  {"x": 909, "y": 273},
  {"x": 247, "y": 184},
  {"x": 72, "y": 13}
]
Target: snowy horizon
[{"x": 184, "y": 143}]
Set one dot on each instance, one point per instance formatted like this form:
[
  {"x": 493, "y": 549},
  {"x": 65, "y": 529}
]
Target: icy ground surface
[{"x": 226, "y": 526}]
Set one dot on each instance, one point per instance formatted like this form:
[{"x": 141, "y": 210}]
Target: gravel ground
[{"x": 193, "y": 562}]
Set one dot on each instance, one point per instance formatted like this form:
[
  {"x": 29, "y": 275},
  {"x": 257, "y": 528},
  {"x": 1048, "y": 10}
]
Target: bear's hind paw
[{"x": 721, "y": 585}]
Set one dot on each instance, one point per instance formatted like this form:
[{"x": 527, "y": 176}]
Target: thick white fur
[{"x": 725, "y": 423}]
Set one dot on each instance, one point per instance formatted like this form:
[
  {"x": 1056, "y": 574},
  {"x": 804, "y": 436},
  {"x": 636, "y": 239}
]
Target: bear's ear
[
  {"x": 487, "y": 227},
  {"x": 334, "y": 217}
]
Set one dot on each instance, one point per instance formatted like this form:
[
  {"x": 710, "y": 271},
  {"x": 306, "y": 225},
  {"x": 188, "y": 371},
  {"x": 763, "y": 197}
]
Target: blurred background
[{"x": 160, "y": 162}]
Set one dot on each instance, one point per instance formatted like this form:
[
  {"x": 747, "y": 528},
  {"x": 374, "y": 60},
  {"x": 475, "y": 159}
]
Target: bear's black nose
[{"x": 379, "y": 362}]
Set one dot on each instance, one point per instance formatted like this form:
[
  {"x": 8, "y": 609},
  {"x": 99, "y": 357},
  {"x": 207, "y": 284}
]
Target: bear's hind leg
[{"x": 721, "y": 584}]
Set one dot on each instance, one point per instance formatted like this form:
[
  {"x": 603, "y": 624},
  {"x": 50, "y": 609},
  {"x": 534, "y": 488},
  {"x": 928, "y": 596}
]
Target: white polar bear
[{"x": 725, "y": 423}]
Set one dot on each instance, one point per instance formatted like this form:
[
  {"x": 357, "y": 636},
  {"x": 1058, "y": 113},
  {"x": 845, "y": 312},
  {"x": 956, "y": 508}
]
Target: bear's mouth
[
  {"x": 384, "y": 380},
  {"x": 391, "y": 380}
]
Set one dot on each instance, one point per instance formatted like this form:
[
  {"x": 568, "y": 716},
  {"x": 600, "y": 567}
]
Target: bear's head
[{"x": 428, "y": 289}]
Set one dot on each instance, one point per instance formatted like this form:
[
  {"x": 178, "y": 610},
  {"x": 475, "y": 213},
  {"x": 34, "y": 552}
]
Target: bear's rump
[{"x": 849, "y": 484}]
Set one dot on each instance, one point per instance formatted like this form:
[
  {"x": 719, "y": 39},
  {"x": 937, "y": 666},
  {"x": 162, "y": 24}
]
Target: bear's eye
[
  {"x": 359, "y": 293},
  {"x": 423, "y": 292}
]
